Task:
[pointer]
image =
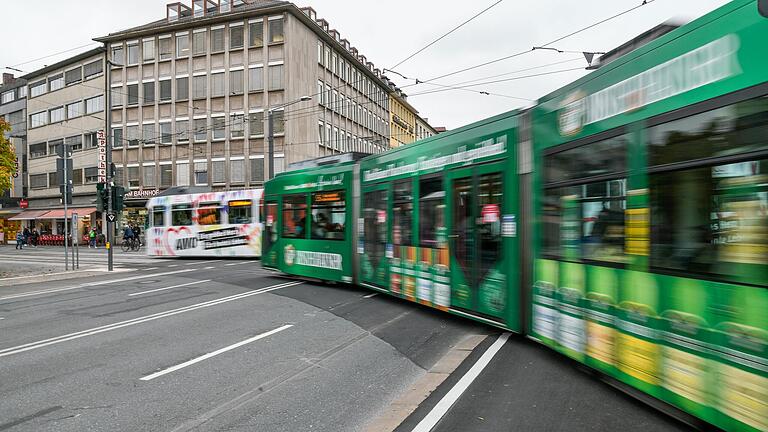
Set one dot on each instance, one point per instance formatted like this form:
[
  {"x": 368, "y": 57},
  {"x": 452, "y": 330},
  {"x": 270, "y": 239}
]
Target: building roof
[
  {"x": 68, "y": 61},
  {"x": 188, "y": 21}
]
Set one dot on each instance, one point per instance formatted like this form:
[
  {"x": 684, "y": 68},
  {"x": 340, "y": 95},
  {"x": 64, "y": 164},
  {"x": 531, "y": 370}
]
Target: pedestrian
[
  {"x": 33, "y": 236},
  {"x": 26, "y": 235},
  {"x": 92, "y": 238},
  {"x": 19, "y": 240}
]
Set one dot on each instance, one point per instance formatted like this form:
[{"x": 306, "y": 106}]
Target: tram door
[{"x": 475, "y": 241}]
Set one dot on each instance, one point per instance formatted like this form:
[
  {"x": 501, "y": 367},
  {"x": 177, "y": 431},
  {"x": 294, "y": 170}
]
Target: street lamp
[{"x": 271, "y": 131}]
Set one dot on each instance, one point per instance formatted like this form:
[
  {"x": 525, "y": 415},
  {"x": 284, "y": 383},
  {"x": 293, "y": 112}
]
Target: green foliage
[{"x": 7, "y": 157}]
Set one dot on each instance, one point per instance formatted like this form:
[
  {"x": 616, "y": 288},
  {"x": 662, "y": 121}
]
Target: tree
[{"x": 8, "y": 164}]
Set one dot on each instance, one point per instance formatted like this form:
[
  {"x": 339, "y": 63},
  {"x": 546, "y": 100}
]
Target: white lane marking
[
  {"x": 151, "y": 268},
  {"x": 200, "y": 262},
  {"x": 90, "y": 284},
  {"x": 370, "y": 295},
  {"x": 167, "y": 288},
  {"x": 173, "y": 265},
  {"x": 208, "y": 268},
  {"x": 214, "y": 353},
  {"x": 442, "y": 407},
  {"x": 237, "y": 263},
  {"x": 109, "y": 327}
]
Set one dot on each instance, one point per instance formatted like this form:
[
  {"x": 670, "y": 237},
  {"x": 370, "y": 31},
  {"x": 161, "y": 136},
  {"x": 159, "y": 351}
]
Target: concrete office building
[
  {"x": 191, "y": 95},
  {"x": 13, "y": 109},
  {"x": 65, "y": 107}
]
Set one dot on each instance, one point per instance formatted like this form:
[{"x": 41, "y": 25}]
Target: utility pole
[
  {"x": 65, "y": 152},
  {"x": 271, "y": 133},
  {"x": 271, "y": 143},
  {"x": 108, "y": 134}
]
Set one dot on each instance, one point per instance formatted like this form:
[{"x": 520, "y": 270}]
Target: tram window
[
  {"x": 209, "y": 214},
  {"x": 431, "y": 211},
  {"x": 489, "y": 200},
  {"x": 712, "y": 221},
  {"x": 402, "y": 206},
  {"x": 724, "y": 131},
  {"x": 328, "y": 215},
  {"x": 270, "y": 224},
  {"x": 375, "y": 226},
  {"x": 158, "y": 216},
  {"x": 240, "y": 211},
  {"x": 295, "y": 216},
  {"x": 181, "y": 214},
  {"x": 596, "y": 159},
  {"x": 584, "y": 220}
]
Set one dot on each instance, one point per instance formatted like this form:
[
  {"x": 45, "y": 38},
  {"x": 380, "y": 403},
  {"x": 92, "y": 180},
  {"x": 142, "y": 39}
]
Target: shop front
[{"x": 8, "y": 227}]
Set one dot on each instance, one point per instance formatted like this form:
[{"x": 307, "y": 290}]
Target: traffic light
[
  {"x": 66, "y": 193},
  {"x": 118, "y": 192},
  {"x": 101, "y": 196}
]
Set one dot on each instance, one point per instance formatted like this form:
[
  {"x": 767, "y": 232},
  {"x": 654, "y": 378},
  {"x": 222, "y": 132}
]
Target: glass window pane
[
  {"x": 276, "y": 30},
  {"x": 431, "y": 212},
  {"x": 148, "y": 50},
  {"x": 240, "y": 211},
  {"x": 256, "y": 79},
  {"x": 182, "y": 45},
  {"x": 256, "y": 34},
  {"x": 257, "y": 170},
  {"x": 217, "y": 40},
  {"x": 148, "y": 89},
  {"x": 402, "y": 206},
  {"x": 158, "y": 216},
  {"x": 295, "y": 216},
  {"x": 235, "y": 37},
  {"x": 199, "y": 43},
  {"x": 166, "y": 48},
  {"x": 182, "y": 89},
  {"x": 328, "y": 217},
  {"x": 236, "y": 82},
  {"x": 181, "y": 214},
  {"x": 209, "y": 214}
]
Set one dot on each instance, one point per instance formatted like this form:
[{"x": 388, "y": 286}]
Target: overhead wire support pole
[
  {"x": 271, "y": 133},
  {"x": 108, "y": 145}
]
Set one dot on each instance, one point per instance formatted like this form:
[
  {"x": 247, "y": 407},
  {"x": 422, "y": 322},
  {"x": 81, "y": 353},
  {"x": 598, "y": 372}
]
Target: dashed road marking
[
  {"x": 370, "y": 295},
  {"x": 167, "y": 288}
]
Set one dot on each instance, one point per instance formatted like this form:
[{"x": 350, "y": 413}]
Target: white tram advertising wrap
[{"x": 212, "y": 224}]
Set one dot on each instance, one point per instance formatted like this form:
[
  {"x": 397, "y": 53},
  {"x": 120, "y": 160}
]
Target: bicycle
[{"x": 131, "y": 244}]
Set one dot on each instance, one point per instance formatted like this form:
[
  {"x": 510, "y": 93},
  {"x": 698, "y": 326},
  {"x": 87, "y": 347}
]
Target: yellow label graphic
[
  {"x": 743, "y": 396},
  {"x": 601, "y": 342},
  {"x": 638, "y": 358},
  {"x": 684, "y": 374}
]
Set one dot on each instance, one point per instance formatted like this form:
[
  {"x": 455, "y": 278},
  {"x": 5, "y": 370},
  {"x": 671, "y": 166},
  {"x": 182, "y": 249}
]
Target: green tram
[{"x": 622, "y": 221}]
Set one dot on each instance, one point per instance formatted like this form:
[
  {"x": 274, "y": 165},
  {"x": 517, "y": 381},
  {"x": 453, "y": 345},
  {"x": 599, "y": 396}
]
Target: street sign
[
  {"x": 111, "y": 217},
  {"x": 23, "y": 203}
]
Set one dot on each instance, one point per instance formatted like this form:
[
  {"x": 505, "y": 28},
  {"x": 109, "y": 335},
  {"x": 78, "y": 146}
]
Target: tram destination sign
[
  {"x": 487, "y": 148},
  {"x": 707, "y": 64}
]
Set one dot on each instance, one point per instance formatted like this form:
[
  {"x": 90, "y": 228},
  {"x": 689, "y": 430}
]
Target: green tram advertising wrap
[
  {"x": 308, "y": 222},
  {"x": 651, "y": 179},
  {"x": 638, "y": 195},
  {"x": 432, "y": 220}
]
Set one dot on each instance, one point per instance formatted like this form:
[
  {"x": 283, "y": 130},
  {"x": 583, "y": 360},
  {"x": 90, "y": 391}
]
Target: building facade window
[
  {"x": 36, "y": 89},
  {"x": 166, "y": 175},
  {"x": 166, "y": 136},
  {"x": 91, "y": 175},
  {"x": 256, "y": 34},
  {"x": 217, "y": 84},
  {"x": 118, "y": 55},
  {"x": 133, "y": 94},
  {"x": 94, "y": 104},
  {"x": 91, "y": 140},
  {"x": 55, "y": 82},
  {"x": 74, "y": 143},
  {"x": 257, "y": 170},
  {"x": 56, "y": 115},
  {"x": 182, "y": 45},
  {"x": 132, "y": 134},
  {"x": 217, "y": 39},
  {"x": 276, "y": 30},
  {"x": 199, "y": 87},
  {"x": 199, "y": 45},
  {"x": 165, "y": 90},
  {"x": 256, "y": 123},
  {"x": 182, "y": 88},
  {"x": 182, "y": 174},
  {"x": 74, "y": 110},
  {"x": 148, "y": 90},
  {"x": 219, "y": 124},
  {"x": 201, "y": 129},
  {"x": 236, "y": 125},
  {"x": 73, "y": 76},
  {"x": 117, "y": 137},
  {"x": 118, "y": 96},
  {"x": 236, "y": 82},
  {"x": 235, "y": 37},
  {"x": 38, "y": 181},
  {"x": 148, "y": 50},
  {"x": 276, "y": 77},
  {"x": 256, "y": 79},
  {"x": 133, "y": 53},
  {"x": 201, "y": 173},
  {"x": 182, "y": 130},
  {"x": 165, "y": 48},
  {"x": 149, "y": 134},
  {"x": 278, "y": 121},
  {"x": 236, "y": 171},
  {"x": 38, "y": 150},
  {"x": 218, "y": 171},
  {"x": 133, "y": 177},
  {"x": 149, "y": 175}
]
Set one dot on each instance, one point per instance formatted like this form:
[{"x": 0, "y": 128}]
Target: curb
[
  {"x": 50, "y": 277},
  {"x": 407, "y": 402}
]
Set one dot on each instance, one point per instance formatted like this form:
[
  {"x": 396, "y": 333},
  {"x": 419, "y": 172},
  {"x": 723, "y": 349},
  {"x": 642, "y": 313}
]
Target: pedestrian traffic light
[
  {"x": 66, "y": 193},
  {"x": 101, "y": 196},
  {"x": 118, "y": 193}
]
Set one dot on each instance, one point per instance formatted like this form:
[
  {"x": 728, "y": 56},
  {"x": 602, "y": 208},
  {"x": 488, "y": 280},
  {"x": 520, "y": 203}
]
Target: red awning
[
  {"x": 59, "y": 214},
  {"x": 29, "y": 215}
]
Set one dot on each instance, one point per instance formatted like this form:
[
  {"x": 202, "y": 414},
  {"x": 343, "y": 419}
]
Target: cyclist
[{"x": 128, "y": 235}]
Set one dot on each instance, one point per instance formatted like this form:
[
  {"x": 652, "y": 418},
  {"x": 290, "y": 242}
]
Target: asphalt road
[
  {"x": 208, "y": 345},
  {"x": 211, "y": 345}
]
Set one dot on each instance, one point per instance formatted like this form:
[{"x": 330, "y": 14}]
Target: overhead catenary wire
[
  {"x": 12, "y": 67},
  {"x": 444, "y": 35}
]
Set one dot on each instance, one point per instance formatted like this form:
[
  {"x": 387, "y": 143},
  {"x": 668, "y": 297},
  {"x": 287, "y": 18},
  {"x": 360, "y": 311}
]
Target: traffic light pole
[
  {"x": 108, "y": 134},
  {"x": 66, "y": 195}
]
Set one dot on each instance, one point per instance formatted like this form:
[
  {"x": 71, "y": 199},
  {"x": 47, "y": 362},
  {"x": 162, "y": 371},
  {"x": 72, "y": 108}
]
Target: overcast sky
[{"x": 388, "y": 31}]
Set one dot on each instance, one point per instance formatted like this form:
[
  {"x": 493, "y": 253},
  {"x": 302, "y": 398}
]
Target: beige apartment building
[
  {"x": 65, "y": 107},
  {"x": 191, "y": 95}
]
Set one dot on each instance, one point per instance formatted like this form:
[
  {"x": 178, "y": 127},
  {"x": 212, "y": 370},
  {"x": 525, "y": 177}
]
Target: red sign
[
  {"x": 23, "y": 203},
  {"x": 490, "y": 213}
]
